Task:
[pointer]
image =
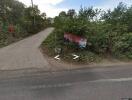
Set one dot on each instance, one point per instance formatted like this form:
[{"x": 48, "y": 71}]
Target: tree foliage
[
  {"x": 108, "y": 32},
  {"x": 16, "y": 14}
]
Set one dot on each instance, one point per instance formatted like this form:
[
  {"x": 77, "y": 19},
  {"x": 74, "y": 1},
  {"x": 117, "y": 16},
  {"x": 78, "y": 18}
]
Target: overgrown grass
[
  {"x": 6, "y": 39},
  {"x": 55, "y": 40},
  {"x": 87, "y": 55}
]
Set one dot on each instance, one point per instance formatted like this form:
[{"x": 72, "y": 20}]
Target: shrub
[{"x": 123, "y": 45}]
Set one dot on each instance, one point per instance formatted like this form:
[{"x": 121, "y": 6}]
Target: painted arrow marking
[
  {"x": 75, "y": 56},
  {"x": 57, "y": 57}
]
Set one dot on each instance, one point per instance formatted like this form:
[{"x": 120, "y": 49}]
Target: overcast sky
[{"x": 53, "y": 7}]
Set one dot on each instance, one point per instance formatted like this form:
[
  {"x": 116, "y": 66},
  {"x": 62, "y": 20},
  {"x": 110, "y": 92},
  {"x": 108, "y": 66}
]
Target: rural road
[
  {"x": 24, "y": 76},
  {"x": 89, "y": 84},
  {"x": 25, "y": 53}
]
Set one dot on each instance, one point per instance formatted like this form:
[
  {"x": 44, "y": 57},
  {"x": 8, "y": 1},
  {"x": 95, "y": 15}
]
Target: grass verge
[{"x": 55, "y": 40}]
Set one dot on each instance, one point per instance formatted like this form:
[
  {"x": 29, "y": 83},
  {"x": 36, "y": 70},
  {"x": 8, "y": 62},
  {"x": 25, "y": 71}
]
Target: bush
[
  {"x": 123, "y": 45},
  {"x": 88, "y": 57},
  {"x": 109, "y": 35}
]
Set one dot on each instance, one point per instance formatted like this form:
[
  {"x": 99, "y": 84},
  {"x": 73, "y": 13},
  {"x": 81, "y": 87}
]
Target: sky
[{"x": 53, "y": 7}]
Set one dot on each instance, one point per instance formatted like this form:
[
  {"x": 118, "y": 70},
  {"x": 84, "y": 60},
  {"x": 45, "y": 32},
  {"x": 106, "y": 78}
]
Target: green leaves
[
  {"x": 15, "y": 13},
  {"x": 109, "y": 34},
  {"x": 123, "y": 45}
]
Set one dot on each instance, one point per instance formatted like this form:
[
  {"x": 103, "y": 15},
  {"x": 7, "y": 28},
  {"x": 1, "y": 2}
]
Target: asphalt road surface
[
  {"x": 113, "y": 83},
  {"x": 25, "y": 53}
]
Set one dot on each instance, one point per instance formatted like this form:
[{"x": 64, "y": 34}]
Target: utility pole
[{"x": 33, "y": 12}]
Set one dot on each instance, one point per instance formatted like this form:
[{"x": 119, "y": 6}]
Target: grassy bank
[
  {"x": 109, "y": 35},
  {"x": 48, "y": 46},
  {"x": 86, "y": 55},
  {"x": 6, "y": 39}
]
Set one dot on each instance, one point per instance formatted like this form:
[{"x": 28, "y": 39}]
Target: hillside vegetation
[
  {"x": 108, "y": 33},
  {"x": 18, "y": 21}
]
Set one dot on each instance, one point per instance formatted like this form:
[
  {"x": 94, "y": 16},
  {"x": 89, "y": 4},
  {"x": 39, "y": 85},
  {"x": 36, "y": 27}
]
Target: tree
[
  {"x": 43, "y": 15},
  {"x": 127, "y": 19},
  {"x": 116, "y": 18},
  {"x": 62, "y": 14},
  {"x": 71, "y": 13},
  {"x": 11, "y": 10},
  {"x": 29, "y": 17},
  {"x": 88, "y": 13}
]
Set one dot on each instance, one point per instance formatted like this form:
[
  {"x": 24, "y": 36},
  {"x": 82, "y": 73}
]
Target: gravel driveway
[{"x": 25, "y": 53}]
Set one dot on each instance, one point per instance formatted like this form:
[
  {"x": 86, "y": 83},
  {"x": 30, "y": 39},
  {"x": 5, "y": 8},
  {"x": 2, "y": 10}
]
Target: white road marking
[
  {"x": 75, "y": 56},
  {"x": 76, "y": 83},
  {"x": 57, "y": 57},
  {"x": 113, "y": 80},
  {"x": 52, "y": 86}
]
